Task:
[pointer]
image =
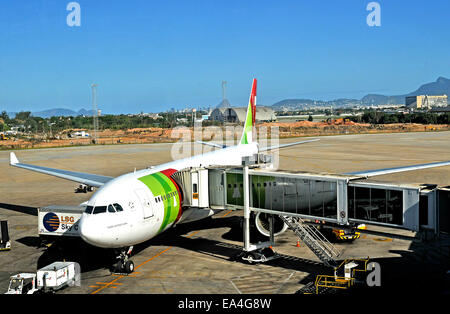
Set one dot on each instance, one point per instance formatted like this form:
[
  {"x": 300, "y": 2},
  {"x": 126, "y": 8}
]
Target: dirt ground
[{"x": 162, "y": 135}]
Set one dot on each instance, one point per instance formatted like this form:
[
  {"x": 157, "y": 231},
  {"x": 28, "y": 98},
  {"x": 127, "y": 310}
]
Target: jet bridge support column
[
  {"x": 246, "y": 209},
  {"x": 253, "y": 252}
]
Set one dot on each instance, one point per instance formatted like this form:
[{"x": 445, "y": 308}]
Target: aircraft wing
[
  {"x": 261, "y": 149},
  {"x": 286, "y": 145},
  {"x": 212, "y": 144},
  {"x": 80, "y": 177},
  {"x": 378, "y": 172}
]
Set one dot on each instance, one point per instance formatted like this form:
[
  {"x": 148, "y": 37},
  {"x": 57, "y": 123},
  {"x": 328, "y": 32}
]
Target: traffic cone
[{"x": 298, "y": 243}]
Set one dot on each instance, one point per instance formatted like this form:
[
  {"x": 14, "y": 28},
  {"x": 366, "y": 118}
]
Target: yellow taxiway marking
[
  {"x": 229, "y": 212},
  {"x": 155, "y": 256},
  {"x": 113, "y": 284},
  {"x": 107, "y": 284},
  {"x": 135, "y": 272}
]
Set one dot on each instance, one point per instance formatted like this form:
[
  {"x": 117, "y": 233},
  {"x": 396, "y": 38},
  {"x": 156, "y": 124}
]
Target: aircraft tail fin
[{"x": 247, "y": 135}]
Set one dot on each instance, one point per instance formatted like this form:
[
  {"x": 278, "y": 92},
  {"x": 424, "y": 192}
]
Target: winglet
[{"x": 13, "y": 159}]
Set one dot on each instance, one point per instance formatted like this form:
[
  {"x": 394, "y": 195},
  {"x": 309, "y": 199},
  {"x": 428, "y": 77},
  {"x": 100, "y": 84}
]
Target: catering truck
[
  {"x": 60, "y": 221},
  {"x": 48, "y": 279}
]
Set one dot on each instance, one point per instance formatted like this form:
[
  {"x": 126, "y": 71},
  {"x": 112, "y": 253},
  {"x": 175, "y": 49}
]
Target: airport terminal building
[
  {"x": 238, "y": 114},
  {"x": 426, "y": 101}
]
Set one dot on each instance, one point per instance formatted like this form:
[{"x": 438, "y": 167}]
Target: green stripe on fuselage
[
  {"x": 160, "y": 184},
  {"x": 168, "y": 203}
]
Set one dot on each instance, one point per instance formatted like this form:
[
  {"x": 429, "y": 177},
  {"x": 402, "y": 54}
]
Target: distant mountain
[
  {"x": 57, "y": 112},
  {"x": 440, "y": 87},
  {"x": 301, "y": 104},
  {"x": 294, "y": 102},
  {"x": 84, "y": 112},
  {"x": 377, "y": 99}
]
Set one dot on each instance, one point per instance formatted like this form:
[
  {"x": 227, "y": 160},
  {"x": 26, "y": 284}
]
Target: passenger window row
[
  {"x": 103, "y": 209},
  {"x": 164, "y": 197}
]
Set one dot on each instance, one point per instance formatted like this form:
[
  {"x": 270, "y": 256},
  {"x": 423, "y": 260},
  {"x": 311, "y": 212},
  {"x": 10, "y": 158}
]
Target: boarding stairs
[
  {"x": 311, "y": 288},
  {"x": 314, "y": 239}
]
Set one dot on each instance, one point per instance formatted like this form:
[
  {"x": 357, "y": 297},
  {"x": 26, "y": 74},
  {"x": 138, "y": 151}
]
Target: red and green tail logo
[{"x": 247, "y": 135}]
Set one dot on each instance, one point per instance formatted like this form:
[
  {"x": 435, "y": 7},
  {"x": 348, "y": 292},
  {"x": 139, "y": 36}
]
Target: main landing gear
[
  {"x": 259, "y": 256},
  {"x": 124, "y": 264}
]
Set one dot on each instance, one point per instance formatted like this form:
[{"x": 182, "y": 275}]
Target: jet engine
[{"x": 263, "y": 225}]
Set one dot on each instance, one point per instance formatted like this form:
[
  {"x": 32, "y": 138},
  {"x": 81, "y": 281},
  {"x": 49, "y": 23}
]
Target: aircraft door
[{"x": 144, "y": 199}]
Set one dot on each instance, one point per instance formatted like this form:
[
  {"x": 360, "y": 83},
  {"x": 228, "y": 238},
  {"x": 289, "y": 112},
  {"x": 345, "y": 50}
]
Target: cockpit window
[
  {"x": 111, "y": 209},
  {"x": 118, "y": 207},
  {"x": 89, "y": 209},
  {"x": 99, "y": 209}
]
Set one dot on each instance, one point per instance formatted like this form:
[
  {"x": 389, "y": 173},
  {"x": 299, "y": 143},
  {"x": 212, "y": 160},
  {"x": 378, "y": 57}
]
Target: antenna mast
[
  {"x": 224, "y": 90},
  {"x": 95, "y": 113}
]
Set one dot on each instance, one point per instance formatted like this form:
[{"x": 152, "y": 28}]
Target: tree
[
  {"x": 4, "y": 116},
  {"x": 23, "y": 115}
]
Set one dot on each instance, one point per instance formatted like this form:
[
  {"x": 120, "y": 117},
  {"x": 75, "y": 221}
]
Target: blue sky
[{"x": 153, "y": 55}]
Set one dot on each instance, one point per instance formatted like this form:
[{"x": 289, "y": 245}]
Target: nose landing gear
[{"x": 124, "y": 264}]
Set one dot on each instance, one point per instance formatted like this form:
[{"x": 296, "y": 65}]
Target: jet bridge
[
  {"x": 292, "y": 198},
  {"x": 333, "y": 198}
]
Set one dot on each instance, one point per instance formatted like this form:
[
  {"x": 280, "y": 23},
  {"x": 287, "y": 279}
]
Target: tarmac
[{"x": 200, "y": 257}]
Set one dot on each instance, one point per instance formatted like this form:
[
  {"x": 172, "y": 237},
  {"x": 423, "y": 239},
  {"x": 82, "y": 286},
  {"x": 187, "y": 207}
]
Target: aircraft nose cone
[
  {"x": 93, "y": 230},
  {"x": 88, "y": 230}
]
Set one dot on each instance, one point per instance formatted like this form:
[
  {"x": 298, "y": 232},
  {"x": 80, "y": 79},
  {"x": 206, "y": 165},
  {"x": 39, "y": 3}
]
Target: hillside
[
  {"x": 439, "y": 87},
  {"x": 61, "y": 112}
]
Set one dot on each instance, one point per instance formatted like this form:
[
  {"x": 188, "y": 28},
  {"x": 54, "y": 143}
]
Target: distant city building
[
  {"x": 218, "y": 114},
  {"x": 182, "y": 120},
  {"x": 426, "y": 101},
  {"x": 17, "y": 128},
  {"x": 441, "y": 110},
  {"x": 224, "y": 104},
  {"x": 238, "y": 114},
  {"x": 79, "y": 134},
  {"x": 154, "y": 116}
]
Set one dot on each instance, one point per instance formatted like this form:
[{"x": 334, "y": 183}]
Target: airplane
[{"x": 137, "y": 206}]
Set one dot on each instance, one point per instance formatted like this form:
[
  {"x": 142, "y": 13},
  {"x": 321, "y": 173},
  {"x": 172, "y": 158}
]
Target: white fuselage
[{"x": 149, "y": 202}]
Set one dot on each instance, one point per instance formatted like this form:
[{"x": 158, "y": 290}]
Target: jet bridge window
[
  {"x": 322, "y": 198},
  {"x": 300, "y": 196},
  {"x": 235, "y": 190},
  {"x": 375, "y": 204}
]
